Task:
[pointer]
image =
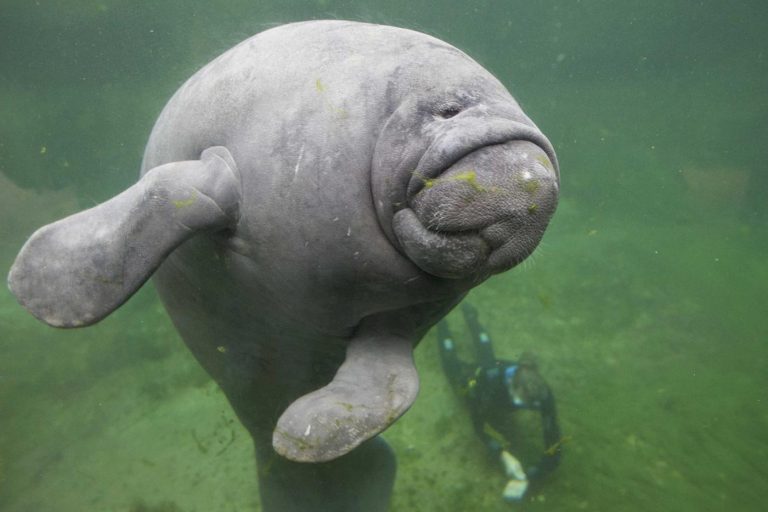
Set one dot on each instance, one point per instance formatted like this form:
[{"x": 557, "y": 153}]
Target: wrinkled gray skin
[{"x": 311, "y": 203}]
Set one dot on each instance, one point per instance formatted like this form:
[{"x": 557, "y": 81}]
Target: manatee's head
[{"x": 464, "y": 183}]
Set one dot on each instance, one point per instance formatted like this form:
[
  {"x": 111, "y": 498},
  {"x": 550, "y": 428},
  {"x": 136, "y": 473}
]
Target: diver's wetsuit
[{"x": 486, "y": 387}]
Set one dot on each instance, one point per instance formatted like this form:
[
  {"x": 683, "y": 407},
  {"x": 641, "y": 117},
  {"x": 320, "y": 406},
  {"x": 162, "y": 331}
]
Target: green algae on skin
[
  {"x": 346, "y": 405},
  {"x": 337, "y": 111},
  {"x": 183, "y": 203},
  {"x": 531, "y": 186},
  {"x": 468, "y": 176},
  {"x": 543, "y": 160}
]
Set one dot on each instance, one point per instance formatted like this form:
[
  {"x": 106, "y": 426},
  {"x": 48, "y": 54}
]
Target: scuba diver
[{"x": 494, "y": 390}]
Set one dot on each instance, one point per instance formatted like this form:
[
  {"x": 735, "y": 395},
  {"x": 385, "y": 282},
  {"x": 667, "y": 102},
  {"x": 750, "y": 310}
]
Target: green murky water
[{"x": 645, "y": 304}]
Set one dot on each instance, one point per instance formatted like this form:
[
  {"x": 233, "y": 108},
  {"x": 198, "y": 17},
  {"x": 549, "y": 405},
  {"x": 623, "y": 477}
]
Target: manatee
[{"x": 310, "y": 203}]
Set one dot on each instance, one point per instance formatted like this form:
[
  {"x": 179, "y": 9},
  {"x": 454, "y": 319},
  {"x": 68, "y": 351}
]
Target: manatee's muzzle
[
  {"x": 470, "y": 136},
  {"x": 482, "y": 215}
]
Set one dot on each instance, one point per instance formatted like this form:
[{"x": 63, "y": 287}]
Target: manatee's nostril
[{"x": 448, "y": 110}]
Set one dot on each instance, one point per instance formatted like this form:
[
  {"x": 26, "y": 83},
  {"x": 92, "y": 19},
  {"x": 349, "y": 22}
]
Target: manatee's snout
[{"x": 482, "y": 215}]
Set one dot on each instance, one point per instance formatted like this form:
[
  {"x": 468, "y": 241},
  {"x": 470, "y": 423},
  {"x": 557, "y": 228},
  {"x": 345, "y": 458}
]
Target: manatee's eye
[{"x": 448, "y": 110}]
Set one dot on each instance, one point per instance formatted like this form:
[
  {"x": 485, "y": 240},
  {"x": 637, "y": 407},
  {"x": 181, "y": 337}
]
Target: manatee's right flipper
[
  {"x": 374, "y": 386},
  {"x": 77, "y": 270}
]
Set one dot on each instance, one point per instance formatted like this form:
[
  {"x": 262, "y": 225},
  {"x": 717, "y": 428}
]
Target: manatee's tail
[
  {"x": 76, "y": 271},
  {"x": 362, "y": 480}
]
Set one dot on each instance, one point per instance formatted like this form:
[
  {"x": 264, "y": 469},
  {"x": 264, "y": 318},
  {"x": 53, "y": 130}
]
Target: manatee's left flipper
[
  {"x": 374, "y": 386},
  {"x": 77, "y": 270}
]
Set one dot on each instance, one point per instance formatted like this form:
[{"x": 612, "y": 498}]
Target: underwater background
[{"x": 646, "y": 304}]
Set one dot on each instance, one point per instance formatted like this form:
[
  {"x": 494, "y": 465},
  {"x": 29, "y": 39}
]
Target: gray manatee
[{"x": 311, "y": 202}]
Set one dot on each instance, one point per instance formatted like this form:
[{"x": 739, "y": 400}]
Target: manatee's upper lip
[{"x": 468, "y": 135}]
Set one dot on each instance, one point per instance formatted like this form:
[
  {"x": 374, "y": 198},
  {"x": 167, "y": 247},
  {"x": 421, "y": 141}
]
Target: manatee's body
[{"x": 355, "y": 182}]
